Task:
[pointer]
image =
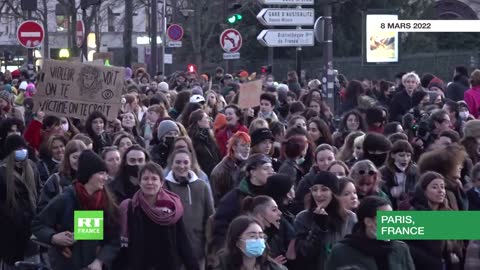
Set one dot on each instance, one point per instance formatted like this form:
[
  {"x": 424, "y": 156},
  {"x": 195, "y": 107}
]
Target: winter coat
[
  {"x": 224, "y": 264},
  {"x": 302, "y": 189},
  {"x": 198, "y": 207},
  {"x": 57, "y": 217},
  {"x": 160, "y": 153},
  {"x": 46, "y": 167},
  {"x": 401, "y": 104},
  {"x": 15, "y": 226},
  {"x": 390, "y": 181},
  {"x": 122, "y": 188},
  {"x": 473, "y": 196},
  {"x": 472, "y": 98},
  {"x": 223, "y": 135},
  {"x": 343, "y": 255},
  {"x": 456, "y": 90},
  {"x": 314, "y": 240},
  {"x": 432, "y": 254},
  {"x": 228, "y": 209},
  {"x": 54, "y": 186},
  {"x": 224, "y": 177},
  {"x": 101, "y": 141},
  {"x": 290, "y": 167},
  {"x": 144, "y": 250},
  {"x": 472, "y": 257},
  {"x": 208, "y": 155}
]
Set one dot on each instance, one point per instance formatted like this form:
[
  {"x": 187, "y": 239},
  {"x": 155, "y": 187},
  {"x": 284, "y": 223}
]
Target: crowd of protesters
[{"x": 187, "y": 179}]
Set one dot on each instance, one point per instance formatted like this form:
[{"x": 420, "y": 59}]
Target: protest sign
[
  {"x": 250, "y": 94},
  {"x": 76, "y": 89}
]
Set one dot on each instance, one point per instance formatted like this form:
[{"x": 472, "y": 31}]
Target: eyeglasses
[{"x": 371, "y": 172}]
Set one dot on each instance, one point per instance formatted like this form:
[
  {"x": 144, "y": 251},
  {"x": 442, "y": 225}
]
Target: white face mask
[
  {"x": 464, "y": 115},
  {"x": 241, "y": 156},
  {"x": 65, "y": 126}
]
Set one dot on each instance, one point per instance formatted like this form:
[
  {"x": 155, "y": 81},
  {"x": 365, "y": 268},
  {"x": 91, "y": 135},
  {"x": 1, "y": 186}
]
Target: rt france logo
[{"x": 88, "y": 225}]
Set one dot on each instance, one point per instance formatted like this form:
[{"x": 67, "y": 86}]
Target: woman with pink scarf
[{"x": 153, "y": 231}]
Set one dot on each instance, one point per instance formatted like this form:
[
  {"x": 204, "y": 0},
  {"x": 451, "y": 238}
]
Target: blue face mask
[
  {"x": 254, "y": 247},
  {"x": 21, "y": 155}
]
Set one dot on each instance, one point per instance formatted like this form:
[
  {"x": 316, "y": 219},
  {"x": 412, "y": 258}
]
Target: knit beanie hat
[
  {"x": 6, "y": 96},
  {"x": 89, "y": 163},
  {"x": 256, "y": 160},
  {"x": 436, "y": 82},
  {"x": 327, "y": 179},
  {"x": 472, "y": 129},
  {"x": 376, "y": 142},
  {"x": 163, "y": 87},
  {"x": 197, "y": 90},
  {"x": 165, "y": 127},
  {"x": 278, "y": 185},
  {"x": 260, "y": 135},
  {"x": 14, "y": 142}
]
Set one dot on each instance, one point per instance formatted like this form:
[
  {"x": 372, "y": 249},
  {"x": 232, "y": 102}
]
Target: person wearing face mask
[
  {"x": 323, "y": 222},
  {"x": 245, "y": 248},
  {"x": 67, "y": 171},
  {"x": 199, "y": 130},
  {"x": 375, "y": 148},
  {"x": 69, "y": 129},
  {"x": 19, "y": 188},
  {"x": 463, "y": 111},
  {"x": 225, "y": 174},
  {"x": 265, "y": 210},
  {"x": 362, "y": 249},
  {"x": 258, "y": 168},
  {"x": 399, "y": 174},
  {"x": 125, "y": 183},
  {"x": 166, "y": 133},
  {"x": 196, "y": 199},
  {"x": 7, "y": 127},
  {"x": 54, "y": 225},
  {"x": 430, "y": 195}
]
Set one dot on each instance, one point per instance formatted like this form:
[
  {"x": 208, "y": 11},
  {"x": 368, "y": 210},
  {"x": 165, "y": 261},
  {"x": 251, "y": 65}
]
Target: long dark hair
[
  {"x": 368, "y": 209},
  {"x": 193, "y": 128},
  {"x": 187, "y": 111},
  {"x": 362, "y": 125},
  {"x": 323, "y": 128},
  {"x": 337, "y": 215},
  {"x": 88, "y": 124},
  {"x": 233, "y": 255}
]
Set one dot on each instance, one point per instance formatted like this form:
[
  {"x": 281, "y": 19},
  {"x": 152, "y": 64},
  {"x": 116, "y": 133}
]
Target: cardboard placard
[
  {"x": 249, "y": 95},
  {"x": 76, "y": 89}
]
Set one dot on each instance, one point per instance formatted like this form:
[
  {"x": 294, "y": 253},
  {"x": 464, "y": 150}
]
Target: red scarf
[
  {"x": 167, "y": 210},
  {"x": 96, "y": 201}
]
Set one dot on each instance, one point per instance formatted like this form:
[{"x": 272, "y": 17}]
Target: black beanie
[
  {"x": 261, "y": 134},
  {"x": 278, "y": 185},
  {"x": 14, "y": 142},
  {"x": 376, "y": 142},
  {"x": 326, "y": 179},
  {"x": 89, "y": 163}
]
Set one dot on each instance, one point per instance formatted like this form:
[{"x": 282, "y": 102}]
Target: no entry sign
[
  {"x": 231, "y": 40},
  {"x": 30, "y": 34}
]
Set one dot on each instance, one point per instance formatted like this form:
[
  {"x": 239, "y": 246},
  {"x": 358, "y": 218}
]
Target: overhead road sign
[
  {"x": 287, "y": 37},
  {"x": 287, "y": 2},
  {"x": 286, "y": 16}
]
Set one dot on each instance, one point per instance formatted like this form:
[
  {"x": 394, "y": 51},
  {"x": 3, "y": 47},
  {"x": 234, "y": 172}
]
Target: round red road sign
[
  {"x": 30, "y": 34},
  {"x": 231, "y": 40}
]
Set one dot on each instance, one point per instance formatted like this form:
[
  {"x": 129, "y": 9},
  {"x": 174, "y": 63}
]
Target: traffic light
[
  {"x": 192, "y": 68},
  {"x": 235, "y": 18}
]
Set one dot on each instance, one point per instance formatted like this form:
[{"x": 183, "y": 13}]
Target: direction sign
[
  {"x": 286, "y": 2},
  {"x": 231, "y": 40},
  {"x": 175, "y": 32},
  {"x": 286, "y": 16},
  {"x": 286, "y": 37},
  {"x": 80, "y": 33},
  {"x": 30, "y": 34}
]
